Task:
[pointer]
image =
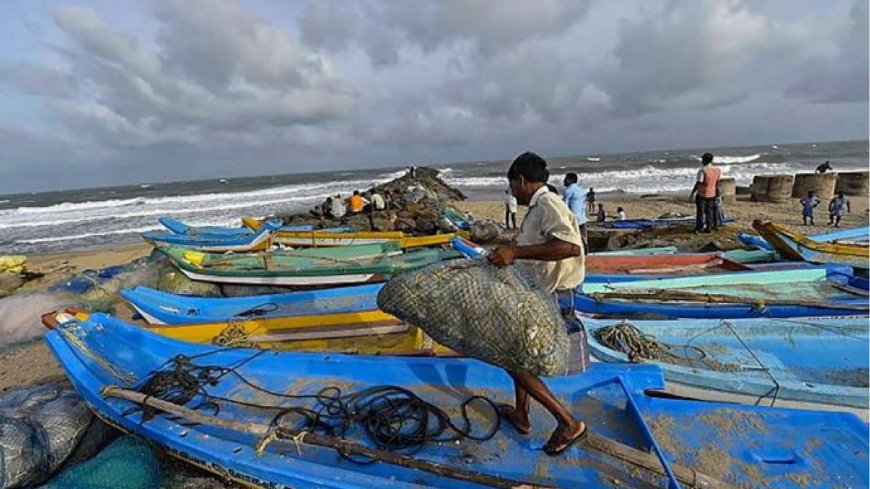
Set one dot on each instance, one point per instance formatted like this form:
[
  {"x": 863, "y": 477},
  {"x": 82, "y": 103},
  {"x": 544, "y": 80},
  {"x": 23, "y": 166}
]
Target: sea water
[{"x": 112, "y": 216}]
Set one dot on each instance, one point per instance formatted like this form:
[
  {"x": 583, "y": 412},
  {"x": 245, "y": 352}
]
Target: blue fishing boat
[
  {"x": 238, "y": 421},
  {"x": 820, "y": 360},
  {"x": 660, "y": 250},
  {"x": 657, "y": 223},
  {"x": 216, "y": 232},
  {"x": 158, "y": 307},
  {"x": 783, "y": 293},
  {"x": 260, "y": 240},
  {"x": 859, "y": 234},
  {"x": 799, "y": 247}
]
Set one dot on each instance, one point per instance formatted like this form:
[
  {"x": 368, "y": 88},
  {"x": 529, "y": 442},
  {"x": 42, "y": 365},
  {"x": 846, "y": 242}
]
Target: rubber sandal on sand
[
  {"x": 553, "y": 451},
  {"x": 504, "y": 411}
]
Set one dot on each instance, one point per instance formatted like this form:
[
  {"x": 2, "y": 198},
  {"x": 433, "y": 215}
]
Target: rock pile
[{"x": 414, "y": 206}]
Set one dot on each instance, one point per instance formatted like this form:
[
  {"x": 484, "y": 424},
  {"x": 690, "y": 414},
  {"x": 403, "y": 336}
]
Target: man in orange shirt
[
  {"x": 356, "y": 203},
  {"x": 705, "y": 193}
]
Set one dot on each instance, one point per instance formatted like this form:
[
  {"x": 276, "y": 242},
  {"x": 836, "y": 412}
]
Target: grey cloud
[
  {"x": 488, "y": 26},
  {"x": 228, "y": 71},
  {"x": 843, "y": 76},
  {"x": 38, "y": 80}
]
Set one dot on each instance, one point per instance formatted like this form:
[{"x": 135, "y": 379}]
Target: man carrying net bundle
[{"x": 550, "y": 241}]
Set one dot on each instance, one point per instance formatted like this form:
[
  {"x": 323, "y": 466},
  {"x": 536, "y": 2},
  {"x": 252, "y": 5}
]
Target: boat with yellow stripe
[
  {"x": 372, "y": 332},
  {"x": 314, "y": 239},
  {"x": 797, "y": 246}
]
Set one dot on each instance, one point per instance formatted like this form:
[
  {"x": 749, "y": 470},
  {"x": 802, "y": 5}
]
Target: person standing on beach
[
  {"x": 809, "y": 203},
  {"x": 575, "y": 198},
  {"x": 704, "y": 194},
  {"x": 590, "y": 201},
  {"x": 549, "y": 239},
  {"x": 510, "y": 210},
  {"x": 837, "y": 208}
]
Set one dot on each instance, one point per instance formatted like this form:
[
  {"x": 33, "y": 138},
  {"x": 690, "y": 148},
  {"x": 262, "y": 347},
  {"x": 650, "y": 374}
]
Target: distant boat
[
  {"x": 144, "y": 185},
  {"x": 223, "y": 180},
  {"x": 593, "y": 159},
  {"x": 814, "y": 145},
  {"x": 774, "y": 146}
]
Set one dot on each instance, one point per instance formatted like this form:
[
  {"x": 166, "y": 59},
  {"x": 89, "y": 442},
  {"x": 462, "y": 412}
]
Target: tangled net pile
[
  {"x": 394, "y": 418},
  {"x": 502, "y": 316},
  {"x": 626, "y": 338}
]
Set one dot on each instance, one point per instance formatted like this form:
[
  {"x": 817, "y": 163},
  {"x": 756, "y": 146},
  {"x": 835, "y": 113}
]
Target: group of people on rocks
[{"x": 336, "y": 207}]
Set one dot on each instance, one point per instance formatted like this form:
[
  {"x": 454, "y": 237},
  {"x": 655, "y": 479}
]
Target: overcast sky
[{"x": 106, "y": 92}]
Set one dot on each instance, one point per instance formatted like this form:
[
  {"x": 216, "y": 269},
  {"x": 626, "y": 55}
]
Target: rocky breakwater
[{"x": 414, "y": 206}]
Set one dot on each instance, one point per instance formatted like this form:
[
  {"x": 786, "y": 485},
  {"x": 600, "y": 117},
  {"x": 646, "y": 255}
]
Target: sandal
[
  {"x": 505, "y": 411},
  {"x": 553, "y": 451}
]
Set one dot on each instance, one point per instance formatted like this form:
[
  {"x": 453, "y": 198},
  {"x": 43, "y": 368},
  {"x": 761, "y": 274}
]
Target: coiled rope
[{"x": 393, "y": 418}]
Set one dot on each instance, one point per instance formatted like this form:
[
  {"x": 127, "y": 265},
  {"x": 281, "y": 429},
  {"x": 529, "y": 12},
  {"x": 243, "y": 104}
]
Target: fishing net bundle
[
  {"x": 501, "y": 316},
  {"x": 41, "y": 427}
]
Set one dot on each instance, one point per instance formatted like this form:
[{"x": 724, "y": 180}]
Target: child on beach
[
  {"x": 510, "y": 210},
  {"x": 809, "y": 203},
  {"x": 837, "y": 207},
  {"x": 601, "y": 216},
  {"x": 590, "y": 200}
]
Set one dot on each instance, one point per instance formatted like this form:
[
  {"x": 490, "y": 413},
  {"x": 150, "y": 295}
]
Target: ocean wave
[
  {"x": 158, "y": 212},
  {"x": 312, "y": 189},
  {"x": 122, "y": 231},
  {"x": 646, "y": 179},
  {"x": 79, "y": 206},
  {"x": 725, "y": 160}
]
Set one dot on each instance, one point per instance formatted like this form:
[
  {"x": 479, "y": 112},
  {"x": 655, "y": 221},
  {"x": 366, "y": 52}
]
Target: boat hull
[
  {"x": 800, "y": 247},
  {"x": 820, "y": 360},
  {"x": 829, "y": 449}
]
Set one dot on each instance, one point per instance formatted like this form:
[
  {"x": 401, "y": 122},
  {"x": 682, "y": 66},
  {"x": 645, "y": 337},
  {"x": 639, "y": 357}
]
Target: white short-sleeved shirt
[
  {"x": 511, "y": 202},
  {"x": 549, "y": 218}
]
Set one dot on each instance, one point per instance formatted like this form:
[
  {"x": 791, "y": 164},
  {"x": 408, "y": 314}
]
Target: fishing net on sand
[{"x": 501, "y": 316}]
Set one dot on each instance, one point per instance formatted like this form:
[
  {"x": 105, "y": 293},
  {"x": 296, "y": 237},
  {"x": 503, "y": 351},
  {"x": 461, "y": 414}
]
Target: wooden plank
[{"x": 610, "y": 447}]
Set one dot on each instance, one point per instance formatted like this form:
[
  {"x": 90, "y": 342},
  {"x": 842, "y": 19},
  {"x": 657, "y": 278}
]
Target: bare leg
[
  {"x": 518, "y": 415},
  {"x": 568, "y": 429}
]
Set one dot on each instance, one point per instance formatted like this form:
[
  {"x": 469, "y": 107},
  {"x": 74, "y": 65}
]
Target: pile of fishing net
[
  {"x": 42, "y": 428},
  {"x": 501, "y": 316}
]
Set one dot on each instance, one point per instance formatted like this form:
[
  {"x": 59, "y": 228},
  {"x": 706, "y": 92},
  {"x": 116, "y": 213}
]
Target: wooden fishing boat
[
  {"x": 158, "y": 307},
  {"x": 783, "y": 293},
  {"x": 321, "y": 238},
  {"x": 253, "y": 241},
  {"x": 310, "y": 267},
  {"x": 344, "y": 319},
  {"x": 819, "y": 360},
  {"x": 661, "y": 250},
  {"x": 369, "y": 332},
  {"x": 656, "y": 223},
  {"x": 458, "y": 219},
  {"x": 853, "y": 235},
  {"x": 237, "y": 420},
  {"x": 798, "y": 247},
  {"x": 217, "y": 232}
]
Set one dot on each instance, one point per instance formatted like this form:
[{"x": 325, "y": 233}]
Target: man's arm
[{"x": 553, "y": 250}]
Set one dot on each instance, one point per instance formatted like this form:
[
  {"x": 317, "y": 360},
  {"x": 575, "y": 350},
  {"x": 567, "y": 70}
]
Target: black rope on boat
[
  {"x": 393, "y": 418},
  {"x": 638, "y": 346}
]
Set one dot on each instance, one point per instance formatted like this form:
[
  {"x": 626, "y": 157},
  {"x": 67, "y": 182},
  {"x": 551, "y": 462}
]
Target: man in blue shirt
[{"x": 575, "y": 197}]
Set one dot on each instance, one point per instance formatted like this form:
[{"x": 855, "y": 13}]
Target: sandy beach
[
  {"x": 32, "y": 363},
  {"x": 744, "y": 211}
]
